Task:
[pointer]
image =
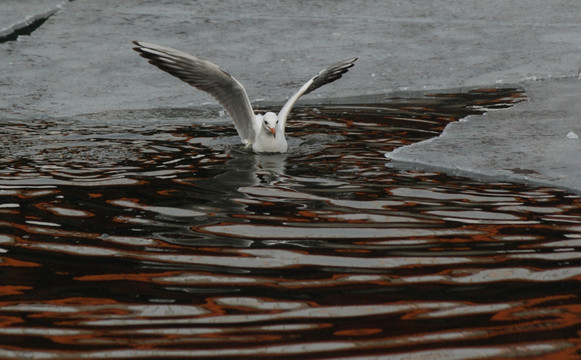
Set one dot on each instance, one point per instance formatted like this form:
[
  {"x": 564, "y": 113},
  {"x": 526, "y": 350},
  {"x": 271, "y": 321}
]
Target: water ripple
[{"x": 153, "y": 234}]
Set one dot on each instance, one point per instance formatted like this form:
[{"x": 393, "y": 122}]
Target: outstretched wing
[
  {"x": 330, "y": 74},
  {"x": 207, "y": 77}
]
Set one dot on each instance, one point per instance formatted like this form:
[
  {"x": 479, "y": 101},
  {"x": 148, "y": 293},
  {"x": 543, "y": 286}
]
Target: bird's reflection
[{"x": 243, "y": 169}]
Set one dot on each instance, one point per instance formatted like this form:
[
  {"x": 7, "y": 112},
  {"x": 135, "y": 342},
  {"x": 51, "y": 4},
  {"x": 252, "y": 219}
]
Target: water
[{"x": 135, "y": 234}]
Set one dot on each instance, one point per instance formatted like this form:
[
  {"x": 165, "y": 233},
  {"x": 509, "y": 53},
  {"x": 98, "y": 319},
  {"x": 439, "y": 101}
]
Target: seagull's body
[{"x": 263, "y": 133}]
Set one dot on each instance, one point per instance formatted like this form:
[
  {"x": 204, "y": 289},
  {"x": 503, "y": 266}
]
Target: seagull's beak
[{"x": 272, "y": 131}]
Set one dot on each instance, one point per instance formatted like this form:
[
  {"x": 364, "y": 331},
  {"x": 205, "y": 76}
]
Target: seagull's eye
[{"x": 265, "y": 123}]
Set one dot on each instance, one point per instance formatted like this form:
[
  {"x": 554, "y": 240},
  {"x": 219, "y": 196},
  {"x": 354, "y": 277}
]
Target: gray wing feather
[
  {"x": 207, "y": 77},
  {"x": 328, "y": 75}
]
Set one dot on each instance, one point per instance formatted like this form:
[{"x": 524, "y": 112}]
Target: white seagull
[{"x": 264, "y": 133}]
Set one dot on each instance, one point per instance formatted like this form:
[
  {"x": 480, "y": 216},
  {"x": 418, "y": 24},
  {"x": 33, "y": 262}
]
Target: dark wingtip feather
[
  {"x": 140, "y": 50},
  {"x": 137, "y": 47},
  {"x": 332, "y": 73}
]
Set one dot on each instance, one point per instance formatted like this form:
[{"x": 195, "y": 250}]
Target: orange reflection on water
[{"x": 176, "y": 243}]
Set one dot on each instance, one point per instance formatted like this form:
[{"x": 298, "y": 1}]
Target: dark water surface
[{"x": 154, "y": 235}]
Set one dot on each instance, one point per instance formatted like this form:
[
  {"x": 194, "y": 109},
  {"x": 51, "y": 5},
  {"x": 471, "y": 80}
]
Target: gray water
[{"x": 154, "y": 234}]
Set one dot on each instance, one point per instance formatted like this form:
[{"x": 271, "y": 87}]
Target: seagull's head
[{"x": 270, "y": 123}]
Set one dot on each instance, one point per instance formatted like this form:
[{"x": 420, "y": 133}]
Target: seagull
[{"x": 264, "y": 133}]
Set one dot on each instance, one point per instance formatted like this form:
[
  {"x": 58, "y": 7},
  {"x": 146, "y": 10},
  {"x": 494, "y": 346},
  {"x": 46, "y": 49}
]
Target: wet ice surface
[
  {"x": 16, "y": 14},
  {"x": 400, "y": 46},
  {"x": 152, "y": 234},
  {"x": 533, "y": 142}
]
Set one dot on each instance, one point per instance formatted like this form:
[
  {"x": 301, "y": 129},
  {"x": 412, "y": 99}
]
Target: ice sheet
[
  {"x": 534, "y": 141},
  {"x": 18, "y": 13}
]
